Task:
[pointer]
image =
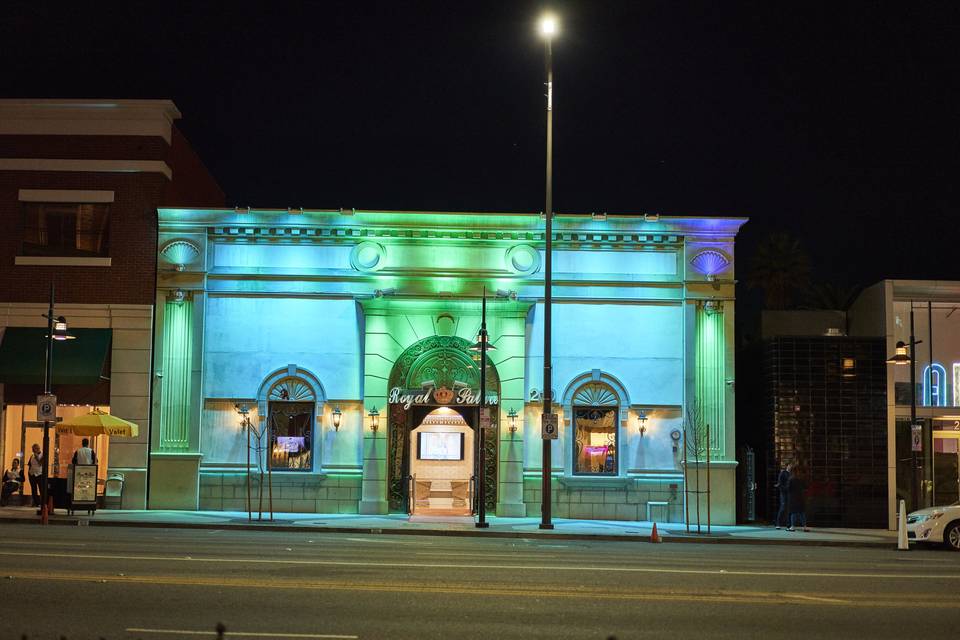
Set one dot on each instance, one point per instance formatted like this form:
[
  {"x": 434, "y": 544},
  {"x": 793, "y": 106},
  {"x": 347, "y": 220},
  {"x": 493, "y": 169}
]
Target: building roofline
[
  {"x": 932, "y": 289},
  {"x": 64, "y": 116},
  {"x": 709, "y": 225}
]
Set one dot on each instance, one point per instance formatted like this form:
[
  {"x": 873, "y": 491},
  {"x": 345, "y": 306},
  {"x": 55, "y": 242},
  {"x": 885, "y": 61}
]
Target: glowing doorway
[{"x": 441, "y": 464}]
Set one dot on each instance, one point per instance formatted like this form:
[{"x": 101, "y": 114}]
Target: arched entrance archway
[{"x": 434, "y": 372}]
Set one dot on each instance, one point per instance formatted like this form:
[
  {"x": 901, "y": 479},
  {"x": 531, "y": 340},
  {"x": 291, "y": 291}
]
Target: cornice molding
[{"x": 398, "y": 222}]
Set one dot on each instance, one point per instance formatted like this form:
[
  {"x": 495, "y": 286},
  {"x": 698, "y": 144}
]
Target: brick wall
[
  {"x": 131, "y": 278},
  {"x": 133, "y": 240}
]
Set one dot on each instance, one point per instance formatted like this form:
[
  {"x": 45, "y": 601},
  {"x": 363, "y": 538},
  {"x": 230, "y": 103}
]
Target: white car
[{"x": 936, "y": 524}]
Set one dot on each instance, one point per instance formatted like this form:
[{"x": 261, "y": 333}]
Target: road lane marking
[
  {"x": 496, "y": 567},
  {"x": 816, "y": 598},
  {"x": 861, "y": 600},
  {"x": 390, "y": 542},
  {"x": 514, "y": 554},
  {"x": 239, "y": 634}
]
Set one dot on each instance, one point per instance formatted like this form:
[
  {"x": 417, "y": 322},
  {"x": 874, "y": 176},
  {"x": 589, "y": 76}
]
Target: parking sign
[
  {"x": 47, "y": 408},
  {"x": 548, "y": 426}
]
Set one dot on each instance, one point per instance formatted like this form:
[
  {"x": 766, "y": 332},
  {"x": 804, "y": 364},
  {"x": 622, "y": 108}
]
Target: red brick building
[{"x": 80, "y": 184}]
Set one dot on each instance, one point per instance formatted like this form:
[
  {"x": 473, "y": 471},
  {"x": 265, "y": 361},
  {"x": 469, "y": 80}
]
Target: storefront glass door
[{"x": 946, "y": 467}]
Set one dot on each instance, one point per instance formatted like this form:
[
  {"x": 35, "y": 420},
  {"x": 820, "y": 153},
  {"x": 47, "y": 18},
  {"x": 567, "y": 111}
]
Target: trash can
[{"x": 113, "y": 491}]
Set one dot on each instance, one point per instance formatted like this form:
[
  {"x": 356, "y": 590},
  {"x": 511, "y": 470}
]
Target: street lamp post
[
  {"x": 548, "y": 28},
  {"x": 56, "y": 330},
  {"x": 901, "y": 357},
  {"x": 481, "y": 485}
]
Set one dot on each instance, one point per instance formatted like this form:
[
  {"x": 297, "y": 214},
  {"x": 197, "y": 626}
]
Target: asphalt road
[{"x": 160, "y": 584}]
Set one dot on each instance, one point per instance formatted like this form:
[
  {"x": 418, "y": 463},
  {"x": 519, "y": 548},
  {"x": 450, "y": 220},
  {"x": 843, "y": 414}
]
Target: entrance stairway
[{"x": 442, "y": 497}]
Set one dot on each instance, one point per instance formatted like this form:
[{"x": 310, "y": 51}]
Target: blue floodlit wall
[{"x": 333, "y": 299}]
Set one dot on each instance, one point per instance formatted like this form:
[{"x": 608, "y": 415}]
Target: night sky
[{"x": 836, "y": 121}]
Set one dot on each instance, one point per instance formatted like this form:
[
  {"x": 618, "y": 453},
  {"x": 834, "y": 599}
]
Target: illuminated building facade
[{"x": 346, "y": 335}]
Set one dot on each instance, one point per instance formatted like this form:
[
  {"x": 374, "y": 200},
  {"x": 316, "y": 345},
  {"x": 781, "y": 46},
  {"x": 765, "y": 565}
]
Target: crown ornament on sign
[{"x": 443, "y": 395}]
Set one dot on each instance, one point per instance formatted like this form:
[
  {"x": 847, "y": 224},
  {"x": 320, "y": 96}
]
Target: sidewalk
[{"x": 446, "y": 526}]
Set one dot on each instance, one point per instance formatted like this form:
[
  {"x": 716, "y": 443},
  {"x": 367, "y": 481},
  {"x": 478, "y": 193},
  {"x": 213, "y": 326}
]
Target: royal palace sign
[{"x": 438, "y": 396}]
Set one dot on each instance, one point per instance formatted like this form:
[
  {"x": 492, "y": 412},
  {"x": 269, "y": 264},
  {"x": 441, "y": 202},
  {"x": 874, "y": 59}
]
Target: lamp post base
[
  {"x": 544, "y": 525},
  {"x": 482, "y": 525}
]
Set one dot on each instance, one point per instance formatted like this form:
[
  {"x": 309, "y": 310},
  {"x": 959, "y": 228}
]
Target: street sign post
[
  {"x": 548, "y": 426},
  {"x": 47, "y": 408}
]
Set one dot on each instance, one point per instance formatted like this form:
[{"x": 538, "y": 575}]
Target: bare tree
[{"x": 696, "y": 445}]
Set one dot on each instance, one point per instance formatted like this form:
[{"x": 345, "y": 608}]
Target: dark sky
[{"x": 836, "y": 121}]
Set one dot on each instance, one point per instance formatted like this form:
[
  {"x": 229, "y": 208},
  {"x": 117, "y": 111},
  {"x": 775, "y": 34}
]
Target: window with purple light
[{"x": 595, "y": 441}]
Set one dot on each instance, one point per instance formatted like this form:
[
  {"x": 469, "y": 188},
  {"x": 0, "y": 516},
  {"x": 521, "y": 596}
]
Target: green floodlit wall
[
  {"x": 175, "y": 391},
  {"x": 391, "y": 326},
  {"x": 342, "y": 294},
  {"x": 397, "y": 324},
  {"x": 710, "y": 374}
]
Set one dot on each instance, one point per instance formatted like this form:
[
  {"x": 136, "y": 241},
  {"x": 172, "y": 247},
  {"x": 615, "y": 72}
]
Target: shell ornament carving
[
  {"x": 180, "y": 253},
  {"x": 595, "y": 394},
  {"x": 710, "y": 262},
  {"x": 291, "y": 389}
]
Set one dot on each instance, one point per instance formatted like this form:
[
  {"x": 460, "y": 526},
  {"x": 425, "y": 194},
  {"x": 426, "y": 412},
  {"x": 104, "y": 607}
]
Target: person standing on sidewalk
[
  {"x": 797, "y": 489},
  {"x": 35, "y": 473},
  {"x": 85, "y": 455},
  {"x": 783, "y": 515}
]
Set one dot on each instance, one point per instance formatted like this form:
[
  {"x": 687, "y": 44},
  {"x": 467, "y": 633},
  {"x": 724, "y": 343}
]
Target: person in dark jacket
[
  {"x": 12, "y": 479},
  {"x": 783, "y": 516},
  {"x": 797, "y": 489}
]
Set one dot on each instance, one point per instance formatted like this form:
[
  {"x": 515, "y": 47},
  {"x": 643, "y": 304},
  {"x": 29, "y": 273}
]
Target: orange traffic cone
[{"x": 654, "y": 536}]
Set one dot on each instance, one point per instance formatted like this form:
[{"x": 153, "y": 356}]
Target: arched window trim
[
  {"x": 309, "y": 379},
  {"x": 623, "y": 415}
]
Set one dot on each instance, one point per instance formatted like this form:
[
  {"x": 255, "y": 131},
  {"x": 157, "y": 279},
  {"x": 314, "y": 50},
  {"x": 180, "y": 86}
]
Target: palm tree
[
  {"x": 781, "y": 268},
  {"x": 829, "y": 295}
]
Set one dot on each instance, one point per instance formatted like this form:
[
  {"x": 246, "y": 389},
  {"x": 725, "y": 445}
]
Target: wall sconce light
[
  {"x": 244, "y": 413},
  {"x": 337, "y": 414},
  {"x": 512, "y": 414},
  {"x": 642, "y": 419},
  {"x": 374, "y": 416}
]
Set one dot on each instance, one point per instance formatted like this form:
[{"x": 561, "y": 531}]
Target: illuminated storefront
[
  {"x": 346, "y": 336},
  {"x": 923, "y": 460}
]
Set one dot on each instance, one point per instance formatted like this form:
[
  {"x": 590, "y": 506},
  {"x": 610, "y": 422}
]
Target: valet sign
[{"x": 441, "y": 396}]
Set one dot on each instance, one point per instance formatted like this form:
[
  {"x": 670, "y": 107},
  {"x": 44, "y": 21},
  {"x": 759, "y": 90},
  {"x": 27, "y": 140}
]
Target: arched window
[
  {"x": 595, "y": 419},
  {"x": 291, "y": 398}
]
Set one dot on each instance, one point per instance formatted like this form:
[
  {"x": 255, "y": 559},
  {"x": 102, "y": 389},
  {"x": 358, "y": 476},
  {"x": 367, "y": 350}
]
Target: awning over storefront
[{"x": 80, "y": 361}]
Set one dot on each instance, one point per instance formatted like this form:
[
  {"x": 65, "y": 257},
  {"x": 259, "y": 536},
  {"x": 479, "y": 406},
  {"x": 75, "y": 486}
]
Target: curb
[{"x": 455, "y": 533}]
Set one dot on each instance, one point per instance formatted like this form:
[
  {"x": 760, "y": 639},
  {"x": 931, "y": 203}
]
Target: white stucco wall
[
  {"x": 640, "y": 345},
  {"x": 248, "y": 338}
]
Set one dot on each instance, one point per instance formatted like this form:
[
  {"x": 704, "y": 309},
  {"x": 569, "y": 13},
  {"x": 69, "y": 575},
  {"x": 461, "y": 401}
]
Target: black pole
[
  {"x": 47, "y": 387},
  {"x": 915, "y": 489},
  {"x": 545, "y": 505},
  {"x": 481, "y": 477}
]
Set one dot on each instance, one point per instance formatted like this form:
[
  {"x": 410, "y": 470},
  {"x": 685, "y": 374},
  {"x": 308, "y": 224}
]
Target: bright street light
[{"x": 548, "y": 25}]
